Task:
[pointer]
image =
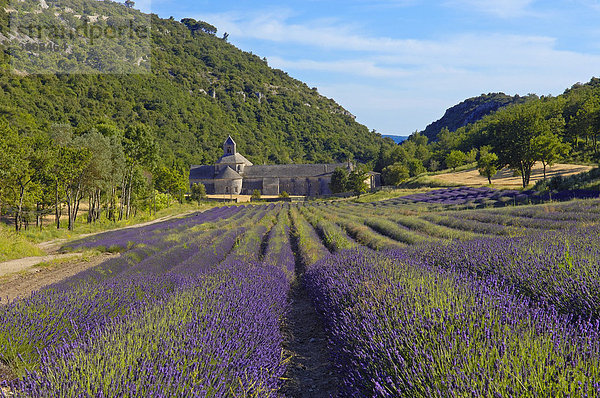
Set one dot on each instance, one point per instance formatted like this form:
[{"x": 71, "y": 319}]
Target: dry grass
[{"x": 505, "y": 178}]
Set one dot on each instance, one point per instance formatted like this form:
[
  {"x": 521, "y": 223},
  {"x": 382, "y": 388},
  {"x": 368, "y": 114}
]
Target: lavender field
[{"x": 415, "y": 299}]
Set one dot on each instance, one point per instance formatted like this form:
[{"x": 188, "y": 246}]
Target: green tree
[
  {"x": 198, "y": 192},
  {"x": 171, "y": 180},
  {"x": 97, "y": 174},
  {"x": 487, "y": 163},
  {"x": 140, "y": 150},
  {"x": 339, "y": 180},
  {"x": 357, "y": 181},
  {"x": 395, "y": 174},
  {"x": 256, "y": 195},
  {"x": 415, "y": 167},
  {"x": 455, "y": 159},
  {"x": 513, "y": 130},
  {"x": 549, "y": 148},
  {"x": 73, "y": 162}
]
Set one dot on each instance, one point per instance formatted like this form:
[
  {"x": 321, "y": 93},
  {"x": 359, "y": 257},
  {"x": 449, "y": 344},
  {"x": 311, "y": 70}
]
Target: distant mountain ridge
[
  {"x": 472, "y": 110},
  {"x": 396, "y": 138}
]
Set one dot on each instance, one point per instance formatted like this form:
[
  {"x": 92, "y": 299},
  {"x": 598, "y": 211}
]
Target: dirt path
[
  {"x": 22, "y": 284},
  {"x": 310, "y": 372},
  {"x": 52, "y": 248}
]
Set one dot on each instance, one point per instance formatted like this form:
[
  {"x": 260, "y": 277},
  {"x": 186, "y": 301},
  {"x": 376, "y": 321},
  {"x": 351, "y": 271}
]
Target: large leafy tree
[
  {"x": 455, "y": 159},
  {"x": 140, "y": 150},
  {"x": 357, "y": 180},
  {"x": 395, "y": 174},
  {"x": 513, "y": 131}
]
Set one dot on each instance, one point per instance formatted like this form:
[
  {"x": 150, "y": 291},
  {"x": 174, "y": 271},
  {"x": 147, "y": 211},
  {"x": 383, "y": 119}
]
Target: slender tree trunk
[
  {"x": 69, "y": 210},
  {"x": 78, "y": 196},
  {"x": 57, "y": 210},
  {"x": 544, "y": 164},
  {"x": 129, "y": 196},
  {"x": 98, "y": 211},
  {"x": 112, "y": 203},
  {"x": 90, "y": 214},
  {"x": 19, "y": 215},
  {"x": 123, "y": 194}
]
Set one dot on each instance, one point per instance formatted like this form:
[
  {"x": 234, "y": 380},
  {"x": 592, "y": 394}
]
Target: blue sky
[{"x": 398, "y": 64}]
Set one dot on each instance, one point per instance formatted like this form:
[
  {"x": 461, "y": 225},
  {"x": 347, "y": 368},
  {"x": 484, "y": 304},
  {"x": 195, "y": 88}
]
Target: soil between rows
[{"x": 310, "y": 372}]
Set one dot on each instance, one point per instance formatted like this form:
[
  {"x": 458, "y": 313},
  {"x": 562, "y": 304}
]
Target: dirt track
[
  {"x": 20, "y": 277},
  {"x": 22, "y": 284},
  {"x": 505, "y": 177}
]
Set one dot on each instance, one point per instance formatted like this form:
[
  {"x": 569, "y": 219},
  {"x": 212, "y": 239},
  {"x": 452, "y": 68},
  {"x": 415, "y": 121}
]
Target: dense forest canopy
[{"x": 192, "y": 88}]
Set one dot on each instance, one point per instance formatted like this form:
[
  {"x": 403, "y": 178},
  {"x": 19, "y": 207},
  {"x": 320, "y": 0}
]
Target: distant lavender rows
[{"x": 484, "y": 195}]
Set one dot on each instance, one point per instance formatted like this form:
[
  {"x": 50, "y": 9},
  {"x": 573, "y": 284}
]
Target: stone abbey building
[{"x": 233, "y": 174}]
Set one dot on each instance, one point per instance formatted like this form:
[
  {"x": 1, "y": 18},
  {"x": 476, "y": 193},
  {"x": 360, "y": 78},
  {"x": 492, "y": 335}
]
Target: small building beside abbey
[{"x": 233, "y": 174}]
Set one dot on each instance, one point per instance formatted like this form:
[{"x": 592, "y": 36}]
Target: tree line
[
  {"x": 546, "y": 130},
  {"x": 116, "y": 172}
]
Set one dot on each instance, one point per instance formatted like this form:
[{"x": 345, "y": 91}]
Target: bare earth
[
  {"x": 505, "y": 177},
  {"x": 22, "y": 284},
  {"x": 310, "y": 372},
  {"x": 21, "y": 277}
]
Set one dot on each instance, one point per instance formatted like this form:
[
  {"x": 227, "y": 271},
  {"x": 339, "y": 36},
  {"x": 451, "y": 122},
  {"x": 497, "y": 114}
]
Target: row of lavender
[
  {"x": 192, "y": 308},
  {"x": 400, "y": 326},
  {"x": 413, "y": 226},
  {"x": 483, "y": 317}
]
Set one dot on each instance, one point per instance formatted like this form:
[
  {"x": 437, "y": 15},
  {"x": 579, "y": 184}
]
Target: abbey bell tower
[{"x": 229, "y": 147}]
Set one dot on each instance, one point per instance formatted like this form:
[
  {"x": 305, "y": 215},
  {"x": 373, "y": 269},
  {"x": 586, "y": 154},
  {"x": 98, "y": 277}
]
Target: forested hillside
[
  {"x": 546, "y": 129},
  {"x": 104, "y": 105},
  {"x": 193, "y": 90}
]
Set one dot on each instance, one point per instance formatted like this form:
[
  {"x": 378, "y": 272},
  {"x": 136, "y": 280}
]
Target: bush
[
  {"x": 198, "y": 192},
  {"x": 256, "y": 195}
]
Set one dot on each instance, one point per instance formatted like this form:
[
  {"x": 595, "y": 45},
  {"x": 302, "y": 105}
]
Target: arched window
[
  {"x": 226, "y": 189},
  {"x": 228, "y": 149},
  {"x": 234, "y": 189}
]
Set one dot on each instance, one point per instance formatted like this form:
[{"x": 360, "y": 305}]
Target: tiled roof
[
  {"x": 229, "y": 141},
  {"x": 228, "y": 174},
  {"x": 291, "y": 170},
  {"x": 234, "y": 159},
  {"x": 202, "y": 172}
]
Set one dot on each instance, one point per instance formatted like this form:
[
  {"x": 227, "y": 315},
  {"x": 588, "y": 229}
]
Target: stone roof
[
  {"x": 229, "y": 141},
  {"x": 291, "y": 170},
  {"x": 234, "y": 159},
  {"x": 202, "y": 172},
  {"x": 228, "y": 174}
]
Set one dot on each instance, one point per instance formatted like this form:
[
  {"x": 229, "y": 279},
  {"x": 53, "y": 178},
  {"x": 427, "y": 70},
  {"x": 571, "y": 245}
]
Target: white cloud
[
  {"x": 498, "y": 8},
  {"x": 409, "y": 79}
]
